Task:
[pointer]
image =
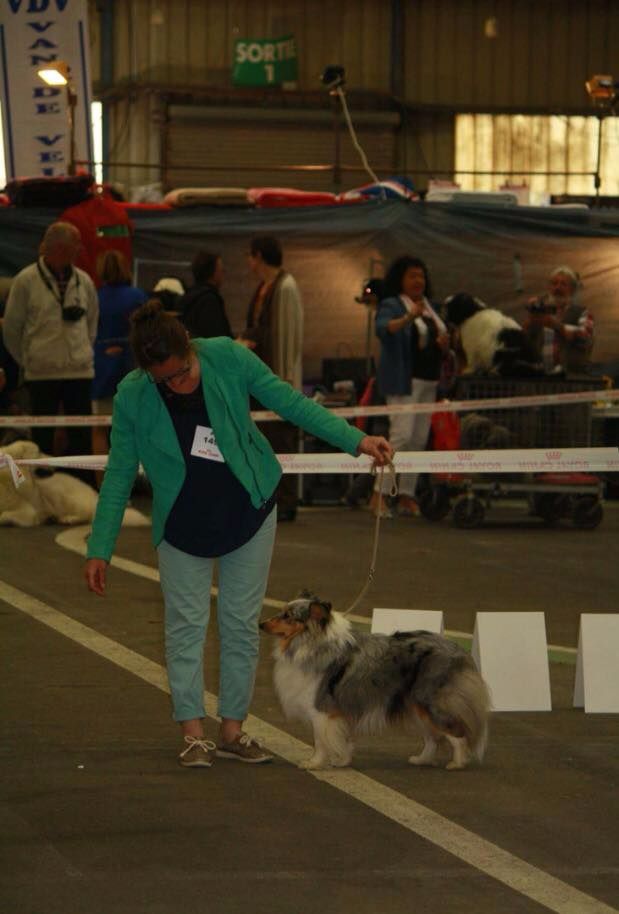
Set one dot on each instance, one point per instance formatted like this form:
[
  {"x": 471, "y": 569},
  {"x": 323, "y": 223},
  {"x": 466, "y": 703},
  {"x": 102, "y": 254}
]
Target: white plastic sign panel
[
  {"x": 388, "y": 621},
  {"x": 597, "y": 664},
  {"x": 37, "y": 134},
  {"x": 511, "y": 653}
]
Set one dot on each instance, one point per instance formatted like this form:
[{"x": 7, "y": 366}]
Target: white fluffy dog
[{"x": 58, "y": 498}]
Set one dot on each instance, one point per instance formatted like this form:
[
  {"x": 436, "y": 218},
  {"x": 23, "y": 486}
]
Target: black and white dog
[
  {"x": 491, "y": 342},
  {"x": 344, "y": 682}
]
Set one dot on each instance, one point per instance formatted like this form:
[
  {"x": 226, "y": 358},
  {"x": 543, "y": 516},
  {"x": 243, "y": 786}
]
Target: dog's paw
[
  {"x": 455, "y": 766},
  {"x": 314, "y": 763},
  {"x": 17, "y": 519}
]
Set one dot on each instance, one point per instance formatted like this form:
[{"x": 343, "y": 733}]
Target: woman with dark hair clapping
[{"x": 414, "y": 341}]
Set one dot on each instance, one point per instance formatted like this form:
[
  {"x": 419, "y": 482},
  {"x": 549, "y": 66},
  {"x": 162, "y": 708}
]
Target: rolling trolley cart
[{"x": 550, "y": 496}]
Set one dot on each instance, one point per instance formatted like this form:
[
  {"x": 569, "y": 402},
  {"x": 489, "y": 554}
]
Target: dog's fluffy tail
[
  {"x": 465, "y": 700},
  {"x": 135, "y": 518}
]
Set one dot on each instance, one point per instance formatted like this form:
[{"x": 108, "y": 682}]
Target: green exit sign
[{"x": 260, "y": 62}]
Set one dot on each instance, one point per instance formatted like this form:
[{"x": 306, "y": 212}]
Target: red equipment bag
[
  {"x": 445, "y": 431},
  {"x": 272, "y": 197},
  {"x": 365, "y": 399},
  {"x": 104, "y": 225},
  {"x": 445, "y": 434}
]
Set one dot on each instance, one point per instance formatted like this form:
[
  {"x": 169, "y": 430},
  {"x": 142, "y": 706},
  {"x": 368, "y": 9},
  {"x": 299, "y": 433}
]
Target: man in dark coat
[{"x": 202, "y": 309}]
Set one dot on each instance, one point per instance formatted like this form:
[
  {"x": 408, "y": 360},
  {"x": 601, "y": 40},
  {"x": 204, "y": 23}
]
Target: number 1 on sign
[{"x": 270, "y": 72}]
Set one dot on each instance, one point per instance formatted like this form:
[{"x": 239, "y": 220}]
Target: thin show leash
[{"x": 393, "y": 492}]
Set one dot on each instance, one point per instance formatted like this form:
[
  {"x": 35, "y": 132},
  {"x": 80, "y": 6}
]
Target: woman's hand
[
  {"x": 378, "y": 448},
  {"x": 243, "y": 341},
  {"x": 95, "y": 572}
]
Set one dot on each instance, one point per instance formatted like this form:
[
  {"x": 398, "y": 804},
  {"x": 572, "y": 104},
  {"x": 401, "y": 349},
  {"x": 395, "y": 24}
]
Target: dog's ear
[
  {"x": 319, "y": 612},
  {"x": 304, "y": 594}
]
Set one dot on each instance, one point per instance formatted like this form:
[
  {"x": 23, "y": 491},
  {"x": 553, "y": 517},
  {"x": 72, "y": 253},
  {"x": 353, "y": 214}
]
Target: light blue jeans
[{"x": 186, "y": 585}]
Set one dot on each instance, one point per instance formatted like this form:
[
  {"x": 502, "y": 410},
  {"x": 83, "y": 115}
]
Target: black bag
[
  {"x": 59, "y": 192},
  {"x": 347, "y": 369}
]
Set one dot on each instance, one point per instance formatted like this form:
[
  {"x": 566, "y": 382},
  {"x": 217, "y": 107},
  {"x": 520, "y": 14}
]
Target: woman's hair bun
[{"x": 149, "y": 311}]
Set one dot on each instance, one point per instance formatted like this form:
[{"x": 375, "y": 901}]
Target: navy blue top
[
  {"x": 116, "y": 303},
  {"x": 401, "y": 360},
  {"x": 213, "y": 514}
]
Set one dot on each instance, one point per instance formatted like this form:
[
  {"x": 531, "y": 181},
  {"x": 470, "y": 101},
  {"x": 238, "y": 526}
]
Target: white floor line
[
  {"x": 73, "y": 539},
  {"x": 484, "y": 856}
]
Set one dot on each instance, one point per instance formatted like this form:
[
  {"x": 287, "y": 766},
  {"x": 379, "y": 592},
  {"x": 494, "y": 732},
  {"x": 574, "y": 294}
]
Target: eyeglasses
[{"x": 175, "y": 376}]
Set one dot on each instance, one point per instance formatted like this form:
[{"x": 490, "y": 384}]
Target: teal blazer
[{"x": 143, "y": 433}]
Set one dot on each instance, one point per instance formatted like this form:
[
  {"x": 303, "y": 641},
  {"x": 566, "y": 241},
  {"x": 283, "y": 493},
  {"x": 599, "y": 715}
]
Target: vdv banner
[{"x": 35, "y": 116}]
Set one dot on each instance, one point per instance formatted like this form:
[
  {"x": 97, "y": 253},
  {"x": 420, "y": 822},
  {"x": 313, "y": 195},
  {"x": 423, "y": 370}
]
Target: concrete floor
[{"x": 97, "y": 816}]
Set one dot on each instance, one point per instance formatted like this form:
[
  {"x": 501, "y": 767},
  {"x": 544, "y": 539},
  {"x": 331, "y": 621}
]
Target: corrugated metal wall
[
  {"x": 190, "y": 42},
  {"x": 240, "y": 145},
  {"x": 541, "y": 53}
]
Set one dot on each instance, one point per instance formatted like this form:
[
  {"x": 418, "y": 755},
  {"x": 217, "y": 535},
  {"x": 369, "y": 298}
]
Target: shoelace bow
[{"x": 204, "y": 744}]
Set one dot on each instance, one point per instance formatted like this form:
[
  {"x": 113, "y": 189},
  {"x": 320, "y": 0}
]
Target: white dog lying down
[{"x": 58, "y": 498}]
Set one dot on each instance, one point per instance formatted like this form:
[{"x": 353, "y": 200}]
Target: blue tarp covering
[{"x": 503, "y": 255}]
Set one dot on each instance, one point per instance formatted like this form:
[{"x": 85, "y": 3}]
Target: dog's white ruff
[{"x": 478, "y": 336}]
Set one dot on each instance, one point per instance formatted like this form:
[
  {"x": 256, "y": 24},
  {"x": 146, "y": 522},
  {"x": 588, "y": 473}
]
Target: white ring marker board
[
  {"x": 597, "y": 664},
  {"x": 511, "y": 653}
]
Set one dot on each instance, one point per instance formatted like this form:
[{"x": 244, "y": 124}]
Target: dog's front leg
[
  {"x": 321, "y": 755},
  {"x": 332, "y": 743},
  {"x": 22, "y": 516}
]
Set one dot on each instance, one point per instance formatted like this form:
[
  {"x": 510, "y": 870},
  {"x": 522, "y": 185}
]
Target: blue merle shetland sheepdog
[{"x": 344, "y": 683}]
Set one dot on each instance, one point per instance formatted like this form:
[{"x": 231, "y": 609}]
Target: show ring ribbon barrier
[
  {"x": 531, "y": 460},
  {"x": 353, "y": 412}
]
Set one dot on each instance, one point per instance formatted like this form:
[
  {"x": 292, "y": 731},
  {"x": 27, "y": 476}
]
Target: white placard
[
  {"x": 388, "y": 621},
  {"x": 34, "y": 115},
  {"x": 597, "y": 664},
  {"x": 511, "y": 653}
]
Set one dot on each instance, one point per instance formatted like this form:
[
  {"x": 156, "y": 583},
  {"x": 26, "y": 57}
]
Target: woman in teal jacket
[{"x": 184, "y": 416}]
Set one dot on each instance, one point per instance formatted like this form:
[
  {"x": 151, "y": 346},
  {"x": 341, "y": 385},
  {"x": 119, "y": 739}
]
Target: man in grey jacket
[
  {"x": 275, "y": 332},
  {"x": 50, "y": 324}
]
